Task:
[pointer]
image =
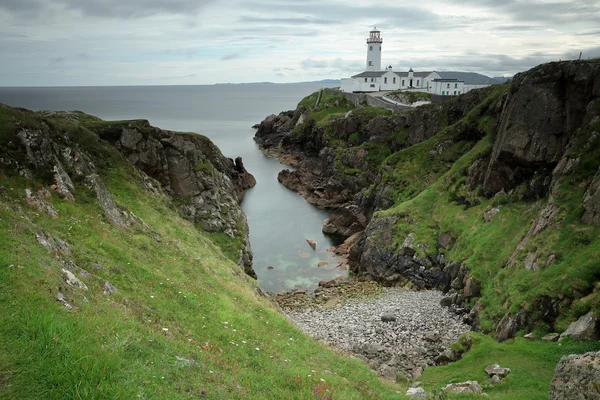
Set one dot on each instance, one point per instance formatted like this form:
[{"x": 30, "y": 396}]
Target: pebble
[{"x": 355, "y": 325}]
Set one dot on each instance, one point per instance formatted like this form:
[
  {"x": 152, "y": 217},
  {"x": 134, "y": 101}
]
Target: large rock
[
  {"x": 544, "y": 108},
  {"x": 345, "y": 221},
  {"x": 577, "y": 377},
  {"x": 468, "y": 387},
  {"x": 495, "y": 369},
  {"x": 416, "y": 393},
  {"x": 591, "y": 202},
  {"x": 207, "y": 185},
  {"x": 586, "y": 327}
]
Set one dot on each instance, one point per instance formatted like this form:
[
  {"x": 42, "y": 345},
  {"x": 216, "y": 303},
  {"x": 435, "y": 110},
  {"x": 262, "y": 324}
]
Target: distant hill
[
  {"x": 502, "y": 78},
  {"x": 324, "y": 82},
  {"x": 470, "y": 78}
]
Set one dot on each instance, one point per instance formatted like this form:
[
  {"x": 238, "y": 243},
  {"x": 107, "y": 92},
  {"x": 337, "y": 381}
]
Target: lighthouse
[{"x": 374, "y": 50}]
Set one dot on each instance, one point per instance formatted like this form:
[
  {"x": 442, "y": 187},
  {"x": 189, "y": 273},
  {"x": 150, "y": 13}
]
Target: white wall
[
  {"x": 374, "y": 56},
  {"x": 390, "y": 85},
  {"x": 359, "y": 85},
  {"x": 448, "y": 88}
]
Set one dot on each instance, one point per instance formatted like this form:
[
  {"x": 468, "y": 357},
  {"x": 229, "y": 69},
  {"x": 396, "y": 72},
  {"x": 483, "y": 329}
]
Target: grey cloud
[
  {"x": 516, "y": 28},
  {"x": 287, "y": 21},
  {"x": 558, "y": 13},
  {"x": 123, "y": 9},
  {"x": 57, "y": 60},
  {"x": 590, "y": 33},
  {"x": 231, "y": 56}
]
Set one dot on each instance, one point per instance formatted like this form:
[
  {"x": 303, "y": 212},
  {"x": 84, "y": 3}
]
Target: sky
[{"x": 186, "y": 42}]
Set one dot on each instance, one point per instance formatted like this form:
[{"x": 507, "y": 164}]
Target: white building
[{"x": 373, "y": 79}]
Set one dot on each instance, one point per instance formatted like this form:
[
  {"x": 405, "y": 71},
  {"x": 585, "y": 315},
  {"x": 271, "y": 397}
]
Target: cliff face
[
  {"x": 64, "y": 149},
  {"x": 492, "y": 196}
]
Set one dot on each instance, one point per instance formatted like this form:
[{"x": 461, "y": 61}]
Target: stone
[
  {"x": 446, "y": 356},
  {"x": 109, "y": 288},
  {"x": 345, "y": 221},
  {"x": 269, "y": 267},
  {"x": 107, "y": 203},
  {"x": 585, "y": 328},
  {"x": 551, "y": 337},
  {"x": 72, "y": 280},
  {"x": 388, "y": 372},
  {"x": 322, "y": 264},
  {"x": 416, "y": 393},
  {"x": 432, "y": 336},
  {"x": 312, "y": 244},
  {"x": 577, "y": 377},
  {"x": 417, "y": 372},
  {"x": 529, "y": 336},
  {"x": 495, "y": 369},
  {"x": 63, "y": 300},
  {"x": 388, "y": 317},
  {"x": 415, "y": 384},
  {"x": 446, "y": 241},
  {"x": 490, "y": 214},
  {"x": 495, "y": 379},
  {"x": 472, "y": 288},
  {"x": 467, "y": 387}
]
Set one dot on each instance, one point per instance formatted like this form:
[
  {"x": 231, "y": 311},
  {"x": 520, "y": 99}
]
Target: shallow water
[{"x": 280, "y": 221}]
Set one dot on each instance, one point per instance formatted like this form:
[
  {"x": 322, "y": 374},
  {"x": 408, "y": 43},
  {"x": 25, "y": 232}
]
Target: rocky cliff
[
  {"x": 491, "y": 196},
  {"x": 65, "y": 149}
]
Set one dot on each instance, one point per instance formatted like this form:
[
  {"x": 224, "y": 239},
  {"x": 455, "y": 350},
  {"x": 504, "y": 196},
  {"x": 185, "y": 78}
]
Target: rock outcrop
[
  {"x": 190, "y": 169},
  {"x": 542, "y": 132},
  {"x": 577, "y": 377}
]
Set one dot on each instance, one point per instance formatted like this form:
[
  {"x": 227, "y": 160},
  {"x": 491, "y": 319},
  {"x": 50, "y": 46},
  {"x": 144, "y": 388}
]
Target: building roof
[
  {"x": 415, "y": 74},
  {"x": 447, "y": 80},
  {"x": 369, "y": 74}
]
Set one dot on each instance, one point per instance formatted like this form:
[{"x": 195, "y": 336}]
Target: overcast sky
[{"x": 158, "y": 42}]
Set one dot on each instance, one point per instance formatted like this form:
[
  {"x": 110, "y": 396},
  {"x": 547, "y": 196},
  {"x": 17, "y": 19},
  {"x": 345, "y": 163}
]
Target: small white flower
[{"x": 257, "y": 349}]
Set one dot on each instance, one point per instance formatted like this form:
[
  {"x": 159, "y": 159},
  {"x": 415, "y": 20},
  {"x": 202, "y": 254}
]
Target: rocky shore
[{"x": 395, "y": 330}]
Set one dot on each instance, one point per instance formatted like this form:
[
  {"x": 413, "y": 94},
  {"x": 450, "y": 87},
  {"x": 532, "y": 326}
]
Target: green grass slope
[{"x": 185, "y": 321}]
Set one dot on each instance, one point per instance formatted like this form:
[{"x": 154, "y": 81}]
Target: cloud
[
  {"x": 230, "y": 56},
  {"x": 123, "y": 9}
]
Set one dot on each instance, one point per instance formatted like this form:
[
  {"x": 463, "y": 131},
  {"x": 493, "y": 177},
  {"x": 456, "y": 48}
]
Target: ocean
[{"x": 280, "y": 221}]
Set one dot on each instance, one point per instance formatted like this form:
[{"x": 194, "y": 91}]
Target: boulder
[
  {"x": 446, "y": 241},
  {"x": 72, "y": 280},
  {"x": 585, "y": 328},
  {"x": 468, "y": 387},
  {"x": 446, "y": 357},
  {"x": 416, "y": 393},
  {"x": 495, "y": 369},
  {"x": 551, "y": 337},
  {"x": 490, "y": 214},
  {"x": 312, "y": 243},
  {"x": 495, "y": 379},
  {"x": 345, "y": 221},
  {"x": 432, "y": 336},
  {"x": 472, "y": 289},
  {"x": 577, "y": 377}
]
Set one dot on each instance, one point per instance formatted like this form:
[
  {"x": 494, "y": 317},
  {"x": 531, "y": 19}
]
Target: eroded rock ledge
[{"x": 189, "y": 168}]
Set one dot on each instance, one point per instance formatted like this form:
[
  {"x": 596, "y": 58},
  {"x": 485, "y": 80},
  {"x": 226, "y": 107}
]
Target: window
[
  {"x": 459, "y": 92},
  {"x": 365, "y": 79},
  {"x": 443, "y": 93},
  {"x": 372, "y": 80},
  {"x": 402, "y": 82},
  {"x": 394, "y": 80},
  {"x": 370, "y": 63},
  {"x": 370, "y": 48},
  {"x": 455, "y": 92},
  {"x": 456, "y": 85},
  {"x": 379, "y": 48},
  {"x": 448, "y": 86},
  {"x": 385, "y": 80},
  {"x": 417, "y": 82}
]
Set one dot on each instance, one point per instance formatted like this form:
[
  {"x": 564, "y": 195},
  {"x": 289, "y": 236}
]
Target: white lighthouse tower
[{"x": 374, "y": 50}]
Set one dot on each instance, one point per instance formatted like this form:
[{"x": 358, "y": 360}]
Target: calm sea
[{"x": 280, "y": 221}]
